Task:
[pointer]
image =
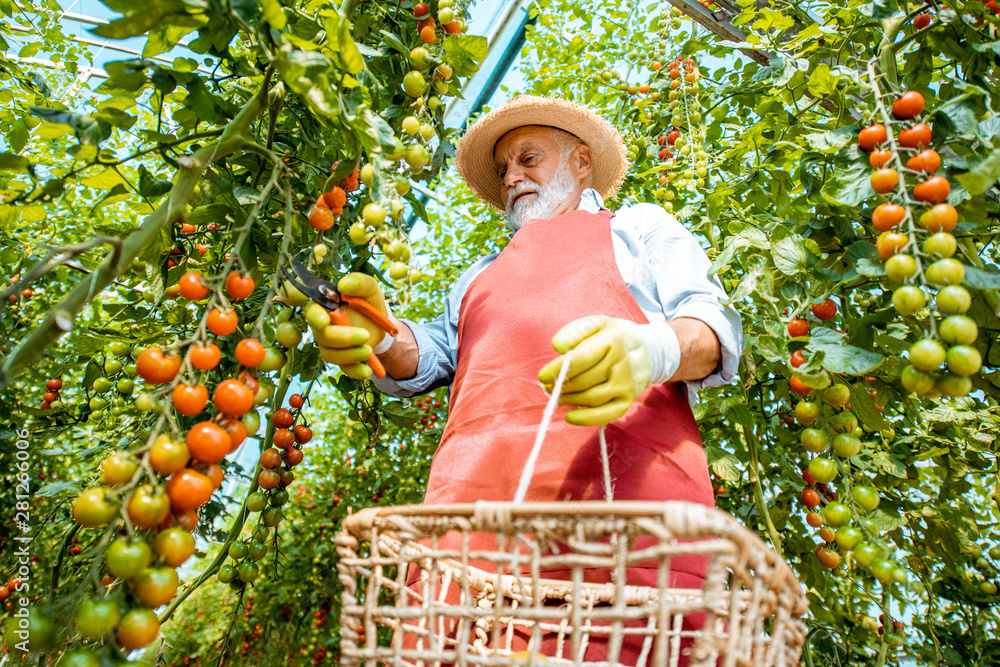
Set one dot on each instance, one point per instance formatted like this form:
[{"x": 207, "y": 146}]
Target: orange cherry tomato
[
  {"x": 321, "y": 218},
  {"x": 934, "y": 190},
  {"x": 249, "y": 352},
  {"x": 887, "y": 216},
  {"x": 233, "y": 398},
  {"x": 917, "y": 136},
  {"x": 188, "y": 490},
  {"x": 335, "y": 198},
  {"x": 909, "y": 105},
  {"x": 206, "y": 357},
  {"x": 927, "y": 161},
  {"x": 884, "y": 181},
  {"x": 208, "y": 442},
  {"x": 190, "y": 399},
  {"x": 155, "y": 367},
  {"x": 890, "y": 243},
  {"x": 191, "y": 286},
  {"x": 239, "y": 286},
  {"x": 879, "y": 158},
  {"x": 222, "y": 322},
  {"x": 872, "y": 136},
  {"x": 236, "y": 430}
]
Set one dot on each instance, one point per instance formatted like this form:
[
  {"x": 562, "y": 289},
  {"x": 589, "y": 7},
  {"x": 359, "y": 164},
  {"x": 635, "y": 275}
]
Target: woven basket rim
[{"x": 686, "y": 520}]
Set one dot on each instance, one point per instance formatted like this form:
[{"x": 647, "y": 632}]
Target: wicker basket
[{"x": 502, "y": 584}]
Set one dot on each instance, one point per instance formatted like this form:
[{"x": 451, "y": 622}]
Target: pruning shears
[{"x": 325, "y": 294}]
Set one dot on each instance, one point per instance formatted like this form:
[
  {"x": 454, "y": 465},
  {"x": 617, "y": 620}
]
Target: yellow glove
[
  {"x": 610, "y": 367},
  {"x": 349, "y": 347}
]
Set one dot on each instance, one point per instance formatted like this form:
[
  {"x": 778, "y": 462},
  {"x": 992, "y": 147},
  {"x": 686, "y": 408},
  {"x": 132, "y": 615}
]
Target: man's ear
[{"x": 582, "y": 163}]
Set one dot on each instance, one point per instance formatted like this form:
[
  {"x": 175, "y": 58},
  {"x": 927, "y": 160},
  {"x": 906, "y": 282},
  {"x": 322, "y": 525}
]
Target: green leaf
[
  {"x": 34, "y": 213},
  {"x": 341, "y": 43},
  {"x": 272, "y": 13},
  {"x": 790, "y": 252},
  {"x": 150, "y": 186},
  {"x": 465, "y": 52},
  {"x": 839, "y": 355},
  {"x": 722, "y": 463},
  {"x": 165, "y": 35},
  {"x": 832, "y": 139},
  {"x": 105, "y": 180},
  {"x": 394, "y": 41},
  {"x": 983, "y": 174},
  {"x": 11, "y": 162},
  {"x": 957, "y": 116},
  {"x": 849, "y": 183},
  {"x": 982, "y": 278}
]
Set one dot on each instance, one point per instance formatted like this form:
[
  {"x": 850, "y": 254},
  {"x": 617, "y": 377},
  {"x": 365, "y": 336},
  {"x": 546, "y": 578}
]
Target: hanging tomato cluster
[
  {"x": 269, "y": 495},
  {"x": 915, "y": 221}
]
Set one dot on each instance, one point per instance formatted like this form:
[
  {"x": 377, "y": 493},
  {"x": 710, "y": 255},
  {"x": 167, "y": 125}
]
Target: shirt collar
[{"x": 590, "y": 201}]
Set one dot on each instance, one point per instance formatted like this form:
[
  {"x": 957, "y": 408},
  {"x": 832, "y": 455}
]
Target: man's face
[{"x": 536, "y": 181}]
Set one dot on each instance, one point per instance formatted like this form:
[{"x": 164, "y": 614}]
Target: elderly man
[{"x": 626, "y": 291}]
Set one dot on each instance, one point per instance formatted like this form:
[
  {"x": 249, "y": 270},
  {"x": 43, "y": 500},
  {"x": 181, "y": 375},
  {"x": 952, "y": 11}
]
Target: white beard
[{"x": 544, "y": 203}]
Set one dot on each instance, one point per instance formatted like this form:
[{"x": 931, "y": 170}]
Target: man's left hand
[{"x": 610, "y": 367}]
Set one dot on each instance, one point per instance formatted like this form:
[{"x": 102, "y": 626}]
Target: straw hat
[{"x": 474, "y": 157}]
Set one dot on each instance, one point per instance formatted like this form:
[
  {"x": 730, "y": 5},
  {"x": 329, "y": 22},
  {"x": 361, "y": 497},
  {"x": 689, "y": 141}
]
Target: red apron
[{"x": 553, "y": 272}]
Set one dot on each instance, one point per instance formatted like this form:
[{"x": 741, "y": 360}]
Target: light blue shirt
[{"x": 661, "y": 263}]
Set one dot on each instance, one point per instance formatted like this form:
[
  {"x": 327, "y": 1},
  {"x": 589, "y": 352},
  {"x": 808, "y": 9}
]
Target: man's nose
[{"x": 513, "y": 176}]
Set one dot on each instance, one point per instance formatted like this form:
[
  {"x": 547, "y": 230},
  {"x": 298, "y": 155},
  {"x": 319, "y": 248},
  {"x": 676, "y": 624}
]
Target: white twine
[{"x": 550, "y": 408}]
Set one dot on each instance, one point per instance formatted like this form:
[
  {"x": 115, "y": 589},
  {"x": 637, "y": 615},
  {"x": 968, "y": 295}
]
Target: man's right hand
[{"x": 350, "y": 347}]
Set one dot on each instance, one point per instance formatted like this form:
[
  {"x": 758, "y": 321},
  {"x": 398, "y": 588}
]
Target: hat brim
[{"x": 474, "y": 156}]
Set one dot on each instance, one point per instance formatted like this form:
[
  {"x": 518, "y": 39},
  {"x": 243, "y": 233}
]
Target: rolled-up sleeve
[
  {"x": 679, "y": 269},
  {"x": 437, "y": 343}
]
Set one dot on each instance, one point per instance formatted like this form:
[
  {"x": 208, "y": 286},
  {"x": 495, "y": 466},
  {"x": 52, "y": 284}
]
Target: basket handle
[{"x": 550, "y": 408}]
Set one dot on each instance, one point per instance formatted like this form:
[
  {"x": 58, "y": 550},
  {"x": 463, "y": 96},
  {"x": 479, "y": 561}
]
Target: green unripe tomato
[
  {"x": 954, "y": 300},
  {"x": 374, "y": 214},
  {"x": 271, "y": 516},
  {"x": 273, "y": 359},
  {"x": 257, "y": 550},
  {"x": 942, "y": 244},
  {"x": 815, "y": 440},
  {"x": 414, "y": 84},
  {"x": 366, "y": 174},
  {"x": 102, "y": 385},
  {"x": 251, "y": 421},
  {"x": 288, "y": 335},
  {"x": 866, "y": 553},
  {"x": 131, "y": 370},
  {"x": 866, "y": 497},
  {"x": 917, "y": 381},
  {"x": 806, "y": 412},
  {"x": 952, "y": 384},
  {"x": 112, "y": 366},
  {"x": 120, "y": 349},
  {"x": 434, "y": 103},
  {"x": 427, "y": 131},
  {"x": 823, "y": 470},
  {"x": 148, "y": 297},
  {"x": 908, "y": 299},
  {"x": 226, "y": 574},
  {"x": 420, "y": 58},
  {"x": 396, "y": 150},
  {"x": 40, "y": 632},
  {"x": 96, "y": 618},
  {"x": 847, "y": 445},
  {"x": 79, "y": 658},
  {"x": 964, "y": 360},
  {"x": 837, "y": 514},
  {"x": 126, "y": 559},
  {"x": 417, "y": 156},
  {"x": 844, "y": 422},
  {"x": 247, "y": 572},
  {"x": 446, "y": 15},
  {"x": 883, "y": 570},
  {"x": 125, "y": 386},
  {"x": 411, "y": 125},
  {"x": 402, "y": 186},
  {"x": 959, "y": 330},
  {"x": 398, "y": 271},
  {"x": 239, "y": 550},
  {"x": 848, "y": 537},
  {"x": 837, "y": 395},
  {"x": 927, "y": 354},
  {"x": 900, "y": 268},
  {"x": 98, "y": 403},
  {"x": 945, "y": 272},
  {"x": 359, "y": 234}
]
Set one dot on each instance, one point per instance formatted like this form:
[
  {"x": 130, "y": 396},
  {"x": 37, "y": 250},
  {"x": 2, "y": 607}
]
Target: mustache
[{"x": 520, "y": 188}]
